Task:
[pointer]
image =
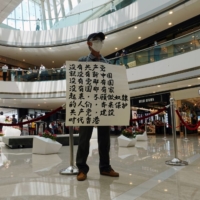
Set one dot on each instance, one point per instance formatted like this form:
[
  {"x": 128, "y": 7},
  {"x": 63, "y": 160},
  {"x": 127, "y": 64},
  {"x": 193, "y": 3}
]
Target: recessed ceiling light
[
  {"x": 158, "y": 85},
  {"x": 139, "y": 37},
  {"x": 14, "y": 99},
  {"x": 189, "y": 85},
  {"x": 52, "y": 61},
  {"x": 38, "y": 104},
  {"x": 169, "y": 23},
  {"x": 20, "y": 48},
  {"x": 23, "y": 59},
  {"x": 154, "y": 92},
  {"x": 199, "y": 78},
  {"x": 49, "y": 47},
  {"x": 106, "y": 37},
  {"x": 116, "y": 48},
  {"x": 165, "y": 190},
  {"x": 170, "y": 12},
  {"x": 135, "y": 27}
]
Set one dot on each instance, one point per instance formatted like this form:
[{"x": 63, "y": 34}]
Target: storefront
[
  {"x": 188, "y": 104},
  {"x": 146, "y": 105}
]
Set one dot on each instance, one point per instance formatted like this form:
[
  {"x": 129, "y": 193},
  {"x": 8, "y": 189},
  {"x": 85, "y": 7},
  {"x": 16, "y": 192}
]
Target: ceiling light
[
  {"x": 52, "y": 61},
  {"x": 106, "y": 37},
  {"x": 38, "y": 104},
  {"x": 158, "y": 85},
  {"x": 14, "y": 99},
  {"x": 116, "y": 48},
  {"x": 23, "y": 59},
  {"x": 189, "y": 85},
  {"x": 170, "y": 12},
  {"x": 135, "y": 27},
  {"x": 44, "y": 99},
  {"x": 169, "y": 23},
  {"x": 49, "y": 47},
  {"x": 165, "y": 190},
  {"x": 20, "y": 48},
  {"x": 154, "y": 92},
  {"x": 139, "y": 37},
  {"x": 199, "y": 78}
]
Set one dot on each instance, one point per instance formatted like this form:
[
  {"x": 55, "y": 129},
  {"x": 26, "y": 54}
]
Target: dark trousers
[
  {"x": 85, "y": 133},
  {"x": 4, "y": 76}
]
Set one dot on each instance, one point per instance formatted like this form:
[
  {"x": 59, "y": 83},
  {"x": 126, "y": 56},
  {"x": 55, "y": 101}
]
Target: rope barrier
[
  {"x": 185, "y": 124},
  {"x": 147, "y": 116},
  {"x": 35, "y": 119}
]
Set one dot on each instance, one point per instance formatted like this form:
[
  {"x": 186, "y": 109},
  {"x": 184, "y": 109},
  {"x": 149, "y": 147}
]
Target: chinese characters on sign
[{"x": 97, "y": 94}]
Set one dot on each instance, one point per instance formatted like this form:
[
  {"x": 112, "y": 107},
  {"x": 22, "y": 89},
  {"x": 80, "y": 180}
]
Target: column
[
  {"x": 62, "y": 8},
  {"x": 70, "y": 4},
  {"x": 49, "y": 13},
  {"x": 43, "y": 22},
  {"x": 55, "y": 10}
]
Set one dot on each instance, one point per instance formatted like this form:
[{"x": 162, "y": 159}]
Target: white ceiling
[
  {"x": 7, "y": 6},
  {"x": 119, "y": 40}
]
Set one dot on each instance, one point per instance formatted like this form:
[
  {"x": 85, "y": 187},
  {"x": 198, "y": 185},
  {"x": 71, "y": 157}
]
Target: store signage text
[{"x": 146, "y": 100}]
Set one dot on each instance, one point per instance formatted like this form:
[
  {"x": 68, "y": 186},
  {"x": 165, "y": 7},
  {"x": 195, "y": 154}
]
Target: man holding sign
[{"x": 95, "y": 43}]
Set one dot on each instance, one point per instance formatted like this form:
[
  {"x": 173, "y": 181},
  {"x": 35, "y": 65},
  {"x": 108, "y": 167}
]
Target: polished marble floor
[{"x": 143, "y": 173}]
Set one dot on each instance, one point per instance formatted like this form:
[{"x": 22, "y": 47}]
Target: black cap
[{"x": 93, "y": 35}]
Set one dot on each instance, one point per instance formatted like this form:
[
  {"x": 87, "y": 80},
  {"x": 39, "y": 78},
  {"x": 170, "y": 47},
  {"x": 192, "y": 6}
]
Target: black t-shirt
[{"x": 14, "y": 121}]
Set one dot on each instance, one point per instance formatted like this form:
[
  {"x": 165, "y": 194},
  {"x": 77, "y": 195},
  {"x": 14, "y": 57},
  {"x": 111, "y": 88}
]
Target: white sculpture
[
  {"x": 10, "y": 131},
  {"x": 43, "y": 145},
  {"x": 126, "y": 142},
  {"x": 142, "y": 137}
]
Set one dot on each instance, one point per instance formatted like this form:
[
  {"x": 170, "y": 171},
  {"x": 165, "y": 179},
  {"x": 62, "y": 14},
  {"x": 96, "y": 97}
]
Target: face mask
[{"x": 97, "y": 45}]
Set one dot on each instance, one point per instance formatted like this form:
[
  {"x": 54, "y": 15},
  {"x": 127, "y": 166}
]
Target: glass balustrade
[
  {"x": 157, "y": 53},
  {"x": 73, "y": 17},
  {"x": 166, "y": 50}
]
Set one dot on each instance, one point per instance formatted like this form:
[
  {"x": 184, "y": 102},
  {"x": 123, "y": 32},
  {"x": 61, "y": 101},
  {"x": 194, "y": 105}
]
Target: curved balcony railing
[
  {"x": 178, "y": 46},
  {"x": 165, "y": 50},
  {"x": 68, "y": 20}
]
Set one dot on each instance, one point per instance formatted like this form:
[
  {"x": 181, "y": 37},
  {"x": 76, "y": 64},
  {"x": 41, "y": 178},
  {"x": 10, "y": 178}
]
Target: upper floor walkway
[{"x": 170, "y": 62}]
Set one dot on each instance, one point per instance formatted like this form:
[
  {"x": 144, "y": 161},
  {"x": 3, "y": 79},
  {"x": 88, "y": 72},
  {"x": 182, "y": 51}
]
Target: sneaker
[
  {"x": 111, "y": 173},
  {"x": 81, "y": 176}
]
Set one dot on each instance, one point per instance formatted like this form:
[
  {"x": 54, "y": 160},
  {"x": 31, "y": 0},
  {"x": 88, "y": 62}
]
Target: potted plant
[
  {"x": 127, "y": 138},
  {"x": 47, "y": 134},
  {"x": 140, "y": 134},
  {"x": 45, "y": 143}
]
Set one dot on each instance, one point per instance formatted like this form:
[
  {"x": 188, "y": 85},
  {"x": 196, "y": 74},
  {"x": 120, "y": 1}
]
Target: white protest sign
[{"x": 97, "y": 94}]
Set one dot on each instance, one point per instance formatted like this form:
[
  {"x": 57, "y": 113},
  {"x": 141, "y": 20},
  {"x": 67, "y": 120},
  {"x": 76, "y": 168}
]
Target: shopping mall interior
[{"x": 152, "y": 49}]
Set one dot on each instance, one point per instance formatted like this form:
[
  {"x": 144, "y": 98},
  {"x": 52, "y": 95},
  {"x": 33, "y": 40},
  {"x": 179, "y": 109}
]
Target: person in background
[
  {"x": 59, "y": 127},
  {"x": 125, "y": 58},
  {"x": 2, "y": 119},
  {"x": 4, "y": 69},
  {"x": 38, "y": 24},
  {"x": 95, "y": 44},
  {"x": 13, "y": 73},
  {"x": 25, "y": 130},
  {"x": 14, "y": 120},
  {"x": 19, "y": 74},
  {"x": 156, "y": 51},
  {"x": 117, "y": 58}
]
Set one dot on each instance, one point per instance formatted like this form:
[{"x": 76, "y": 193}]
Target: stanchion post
[
  {"x": 175, "y": 161},
  {"x": 164, "y": 129},
  {"x": 71, "y": 169},
  {"x": 186, "y": 139}
]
